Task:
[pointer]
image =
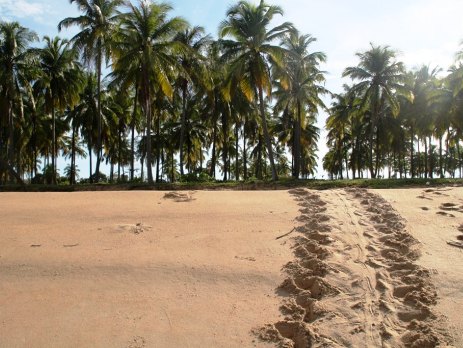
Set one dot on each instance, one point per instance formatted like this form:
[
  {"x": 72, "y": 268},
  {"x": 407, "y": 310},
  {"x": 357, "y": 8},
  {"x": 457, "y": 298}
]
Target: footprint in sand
[{"x": 425, "y": 208}]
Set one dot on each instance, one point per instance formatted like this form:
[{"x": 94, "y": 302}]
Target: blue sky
[{"x": 423, "y": 31}]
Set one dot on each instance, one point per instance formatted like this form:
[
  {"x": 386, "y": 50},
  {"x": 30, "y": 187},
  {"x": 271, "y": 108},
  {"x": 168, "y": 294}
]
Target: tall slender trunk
[
  {"x": 245, "y": 155},
  {"x": 419, "y": 158},
  {"x": 99, "y": 141},
  {"x": 148, "y": 137},
  {"x": 90, "y": 158},
  {"x": 441, "y": 162},
  {"x": 214, "y": 138},
  {"x": 297, "y": 143},
  {"x": 426, "y": 168},
  {"x": 172, "y": 173},
  {"x": 237, "y": 166},
  {"x": 378, "y": 155},
  {"x": 266, "y": 135},
  {"x": 412, "y": 146},
  {"x": 225, "y": 144},
  {"x": 72, "y": 179},
  {"x": 459, "y": 158},
  {"x": 132, "y": 141},
  {"x": 183, "y": 122},
  {"x": 158, "y": 145},
  {"x": 259, "y": 159},
  {"x": 119, "y": 155},
  {"x": 431, "y": 160},
  {"x": 53, "y": 147},
  {"x": 10, "y": 149},
  {"x": 213, "y": 155}
]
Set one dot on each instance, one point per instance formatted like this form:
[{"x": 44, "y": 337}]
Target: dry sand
[
  {"x": 220, "y": 269},
  {"x": 132, "y": 269}
]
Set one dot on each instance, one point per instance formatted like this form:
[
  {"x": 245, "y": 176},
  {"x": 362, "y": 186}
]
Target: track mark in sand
[
  {"x": 407, "y": 294},
  {"x": 353, "y": 282}
]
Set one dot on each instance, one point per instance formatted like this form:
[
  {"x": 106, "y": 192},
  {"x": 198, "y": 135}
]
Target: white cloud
[{"x": 20, "y": 9}]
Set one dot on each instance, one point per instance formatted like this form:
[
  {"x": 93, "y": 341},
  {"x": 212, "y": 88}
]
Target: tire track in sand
[{"x": 353, "y": 282}]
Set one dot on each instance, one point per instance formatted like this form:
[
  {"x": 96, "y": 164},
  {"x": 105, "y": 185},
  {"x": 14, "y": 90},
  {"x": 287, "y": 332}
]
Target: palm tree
[
  {"x": 97, "y": 26},
  {"x": 61, "y": 81},
  {"x": 380, "y": 77},
  {"x": 17, "y": 61},
  {"x": 144, "y": 47},
  {"x": 194, "y": 70},
  {"x": 251, "y": 52},
  {"x": 300, "y": 90}
]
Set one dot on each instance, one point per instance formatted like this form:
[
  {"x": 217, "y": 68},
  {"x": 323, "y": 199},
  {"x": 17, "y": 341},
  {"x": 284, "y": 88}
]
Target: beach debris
[
  {"x": 286, "y": 234},
  {"x": 70, "y": 245},
  {"x": 455, "y": 243},
  {"x": 180, "y": 196},
  {"x": 36, "y": 245}
]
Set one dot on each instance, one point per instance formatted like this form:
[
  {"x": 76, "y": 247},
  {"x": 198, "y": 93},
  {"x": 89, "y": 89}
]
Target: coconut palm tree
[
  {"x": 16, "y": 61},
  {"x": 145, "y": 47},
  {"x": 194, "y": 70},
  {"x": 300, "y": 90},
  {"x": 251, "y": 52},
  {"x": 97, "y": 24},
  {"x": 61, "y": 81},
  {"x": 380, "y": 76}
]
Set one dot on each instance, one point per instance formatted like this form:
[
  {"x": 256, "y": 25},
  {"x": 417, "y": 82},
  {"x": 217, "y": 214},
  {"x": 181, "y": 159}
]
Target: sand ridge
[{"x": 354, "y": 281}]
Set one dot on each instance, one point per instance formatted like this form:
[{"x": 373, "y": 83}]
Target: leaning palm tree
[
  {"x": 251, "y": 53},
  {"x": 380, "y": 77},
  {"x": 144, "y": 47},
  {"x": 61, "y": 81},
  {"x": 16, "y": 61},
  {"x": 97, "y": 26}
]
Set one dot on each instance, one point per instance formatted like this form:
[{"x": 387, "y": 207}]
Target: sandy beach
[{"x": 231, "y": 269}]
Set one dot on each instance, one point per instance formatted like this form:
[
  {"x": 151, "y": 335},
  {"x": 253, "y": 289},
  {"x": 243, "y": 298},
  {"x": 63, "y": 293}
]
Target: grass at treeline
[{"x": 283, "y": 184}]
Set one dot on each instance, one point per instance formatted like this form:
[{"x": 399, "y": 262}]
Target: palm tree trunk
[
  {"x": 148, "y": 138},
  {"x": 213, "y": 155},
  {"x": 132, "y": 141},
  {"x": 119, "y": 154},
  {"x": 183, "y": 123},
  {"x": 53, "y": 151},
  {"x": 72, "y": 179},
  {"x": 425, "y": 158},
  {"x": 245, "y": 155},
  {"x": 158, "y": 145},
  {"x": 441, "y": 162},
  {"x": 419, "y": 158},
  {"x": 266, "y": 135},
  {"x": 237, "y": 167},
  {"x": 99, "y": 142},
  {"x": 10, "y": 140},
  {"x": 225, "y": 145},
  {"x": 90, "y": 160},
  {"x": 412, "y": 146},
  {"x": 297, "y": 143},
  {"x": 214, "y": 139},
  {"x": 431, "y": 161}
]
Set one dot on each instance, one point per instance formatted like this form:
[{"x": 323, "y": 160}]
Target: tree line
[
  {"x": 138, "y": 84},
  {"x": 391, "y": 122},
  {"x": 138, "y": 87}
]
